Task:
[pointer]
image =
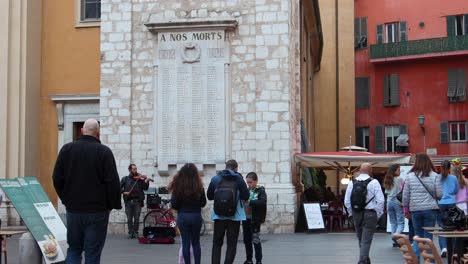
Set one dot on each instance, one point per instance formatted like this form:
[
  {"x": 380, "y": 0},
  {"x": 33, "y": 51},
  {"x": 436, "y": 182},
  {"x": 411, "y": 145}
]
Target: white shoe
[{"x": 443, "y": 253}]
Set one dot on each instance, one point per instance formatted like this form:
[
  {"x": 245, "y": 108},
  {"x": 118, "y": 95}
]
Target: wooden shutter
[
  {"x": 403, "y": 129},
  {"x": 450, "y": 26},
  {"x": 359, "y": 137},
  {"x": 362, "y": 92},
  {"x": 452, "y": 82},
  {"x": 444, "y": 132},
  {"x": 357, "y": 33},
  {"x": 466, "y": 24},
  {"x": 379, "y": 34},
  {"x": 363, "y": 37},
  {"x": 379, "y": 139},
  {"x": 394, "y": 89},
  {"x": 461, "y": 82},
  {"x": 403, "y": 31},
  {"x": 386, "y": 90}
]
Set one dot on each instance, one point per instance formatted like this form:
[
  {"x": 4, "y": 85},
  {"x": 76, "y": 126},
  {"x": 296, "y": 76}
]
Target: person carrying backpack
[
  {"x": 227, "y": 189},
  {"x": 365, "y": 202}
]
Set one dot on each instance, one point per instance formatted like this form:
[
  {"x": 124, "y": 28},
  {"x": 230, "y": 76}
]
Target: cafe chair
[
  {"x": 406, "y": 248},
  {"x": 335, "y": 215},
  {"x": 428, "y": 250}
]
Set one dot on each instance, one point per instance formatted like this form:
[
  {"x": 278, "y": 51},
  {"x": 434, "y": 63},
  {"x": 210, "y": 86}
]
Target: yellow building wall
[
  {"x": 325, "y": 132},
  {"x": 70, "y": 65}
]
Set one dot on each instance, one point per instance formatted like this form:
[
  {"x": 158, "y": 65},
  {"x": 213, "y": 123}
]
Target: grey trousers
[
  {"x": 133, "y": 210},
  {"x": 365, "y": 223}
]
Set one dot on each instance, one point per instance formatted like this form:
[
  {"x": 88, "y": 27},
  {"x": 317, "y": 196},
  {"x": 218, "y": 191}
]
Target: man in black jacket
[
  {"x": 132, "y": 187},
  {"x": 86, "y": 180}
]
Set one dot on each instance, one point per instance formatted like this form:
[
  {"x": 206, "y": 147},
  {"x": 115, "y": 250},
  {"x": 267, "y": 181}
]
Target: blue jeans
[
  {"x": 443, "y": 208},
  {"x": 420, "y": 220},
  {"x": 86, "y": 232},
  {"x": 396, "y": 216},
  {"x": 190, "y": 226}
]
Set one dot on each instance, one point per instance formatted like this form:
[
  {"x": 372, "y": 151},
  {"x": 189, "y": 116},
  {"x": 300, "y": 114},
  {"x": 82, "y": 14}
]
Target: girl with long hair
[
  {"x": 188, "y": 197},
  {"x": 422, "y": 191},
  {"x": 462, "y": 194},
  {"x": 449, "y": 191},
  {"x": 392, "y": 184}
]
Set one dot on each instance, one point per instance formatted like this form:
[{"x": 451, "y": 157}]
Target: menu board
[
  {"x": 39, "y": 215},
  {"x": 314, "y": 217}
]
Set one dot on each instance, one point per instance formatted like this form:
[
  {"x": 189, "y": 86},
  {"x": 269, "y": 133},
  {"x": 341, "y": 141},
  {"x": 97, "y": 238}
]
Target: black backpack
[
  {"x": 359, "y": 194},
  {"x": 225, "y": 197}
]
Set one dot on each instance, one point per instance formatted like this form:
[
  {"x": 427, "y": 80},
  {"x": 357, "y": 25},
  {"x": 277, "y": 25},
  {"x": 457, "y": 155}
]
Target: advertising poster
[
  {"x": 314, "y": 217},
  {"x": 39, "y": 215}
]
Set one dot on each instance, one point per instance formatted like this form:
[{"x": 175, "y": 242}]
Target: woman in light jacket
[
  {"x": 422, "y": 191},
  {"x": 393, "y": 183}
]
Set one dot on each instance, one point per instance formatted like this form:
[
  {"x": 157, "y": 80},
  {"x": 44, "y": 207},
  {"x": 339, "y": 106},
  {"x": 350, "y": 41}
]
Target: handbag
[
  {"x": 399, "y": 196},
  {"x": 453, "y": 218}
]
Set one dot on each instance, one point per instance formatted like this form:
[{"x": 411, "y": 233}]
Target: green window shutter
[
  {"x": 379, "y": 34},
  {"x": 394, "y": 89},
  {"x": 362, "y": 92},
  {"x": 450, "y": 26},
  {"x": 461, "y": 82},
  {"x": 403, "y": 31},
  {"x": 379, "y": 139},
  {"x": 357, "y": 94},
  {"x": 386, "y": 90},
  {"x": 366, "y": 96},
  {"x": 359, "y": 137},
  {"x": 452, "y": 82},
  {"x": 363, "y": 38},
  {"x": 357, "y": 33},
  {"x": 444, "y": 132},
  {"x": 466, "y": 24},
  {"x": 403, "y": 129}
]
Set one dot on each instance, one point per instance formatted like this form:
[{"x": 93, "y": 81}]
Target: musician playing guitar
[{"x": 132, "y": 187}]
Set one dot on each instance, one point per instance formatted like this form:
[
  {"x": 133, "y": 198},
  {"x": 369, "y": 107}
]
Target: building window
[
  {"x": 391, "y": 33},
  {"x": 458, "y": 132},
  {"x": 362, "y": 137},
  {"x": 457, "y": 25},
  {"x": 391, "y": 90},
  {"x": 460, "y": 26},
  {"x": 360, "y": 32},
  {"x": 362, "y": 92},
  {"x": 391, "y": 134},
  {"x": 456, "y": 89},
  {"x": 90, "y": 10}
]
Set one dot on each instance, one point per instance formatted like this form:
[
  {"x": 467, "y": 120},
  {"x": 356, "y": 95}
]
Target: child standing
[{"x": 255, "y": 210}]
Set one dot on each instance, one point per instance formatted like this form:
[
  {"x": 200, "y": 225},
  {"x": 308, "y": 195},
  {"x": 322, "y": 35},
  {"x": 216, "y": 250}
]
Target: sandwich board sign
[
  {"x": 39, "y": 215},
  {"x": 313, "y": 214}
]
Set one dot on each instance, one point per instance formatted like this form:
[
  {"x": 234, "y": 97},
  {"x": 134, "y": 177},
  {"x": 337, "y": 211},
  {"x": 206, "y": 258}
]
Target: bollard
[{"x": 29, "y": 251}]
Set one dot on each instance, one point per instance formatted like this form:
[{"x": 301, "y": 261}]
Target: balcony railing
[{"x": 418, "y": 47}]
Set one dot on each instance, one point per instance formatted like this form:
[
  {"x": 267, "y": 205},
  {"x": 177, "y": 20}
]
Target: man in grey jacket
[{"x": 365, "y": 221}]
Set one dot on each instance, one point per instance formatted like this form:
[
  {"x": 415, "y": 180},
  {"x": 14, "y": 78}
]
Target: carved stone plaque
[{"x": 191, "y": 97}]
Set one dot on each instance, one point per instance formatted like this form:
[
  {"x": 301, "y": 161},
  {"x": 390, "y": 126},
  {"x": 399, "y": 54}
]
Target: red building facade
[{"x": 411, "y": 63}]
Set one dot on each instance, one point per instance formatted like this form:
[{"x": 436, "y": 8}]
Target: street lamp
[{"x": 421, "y": 123}]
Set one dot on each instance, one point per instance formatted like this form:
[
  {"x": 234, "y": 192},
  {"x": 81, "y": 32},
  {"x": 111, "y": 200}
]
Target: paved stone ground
[{"x": 277, "y": 248}]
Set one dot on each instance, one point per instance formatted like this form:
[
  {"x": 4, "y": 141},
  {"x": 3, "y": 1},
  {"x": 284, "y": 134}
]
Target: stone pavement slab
[{"x": 277, "y": 248}]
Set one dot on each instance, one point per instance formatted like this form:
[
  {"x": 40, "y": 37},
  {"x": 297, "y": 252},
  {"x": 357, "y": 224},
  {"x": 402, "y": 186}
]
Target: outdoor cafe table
[{"x": 459, "y": 237}]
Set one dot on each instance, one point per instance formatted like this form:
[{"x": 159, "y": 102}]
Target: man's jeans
[
  {"x": 420, "y": 220},
  {"x": 251, "y": 233},
  {"x": 86, "y": 232},
  {"x": 133, "y": 210},
  {"x": 365, "y": 223},
  {"x": 397, "y": 218},
  {"x": 231, "y": 228}
]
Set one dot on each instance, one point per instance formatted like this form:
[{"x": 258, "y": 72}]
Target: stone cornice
[{"x": 226, "y": 23}]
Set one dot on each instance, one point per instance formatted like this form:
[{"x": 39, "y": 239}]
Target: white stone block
[
  {"x": 271, "y": 40},
  {"x": 241, "y": 108},
  {"x": 282, "y": 16},
  {"x": 116, "y": 37},
  {"x": 113, "y": 138},
  {"x": 264, "y": 144},
  {"x": 280, "y": 28},
  {"x": 279, "y": 107},
  {"x": 268, "y": 167},
  {"x": 269, "y": 16},
  {"x": 125, "y": 138},
  {"x": 261, "y": 52},
  {"x": 115, "y": 103},
  {"x": 125, "y": 7},
  {"x": 249, "y": 41},
  {"x": 279, "y": 126},
  {"x": 244, "y": 30},
  {"x": 262, "y": 126},
  {"x": 123, "y": 26},
  {"x": 145, "y": 55},
  {"x": 107, "y": 46},
  {"x": 124, "y": 129},
  {"x": 284, "y": 167},
  {"x": 270, "y": 116},
  {"x": 240, "y": 49},
  {"x": 260, "y": 135},
  {"x": 259, "y": 40},
  {"x": 262, "y": 106},
  {"x": 250, "y": 117},
  {"x": 236, "y": 14},
  {"x": 260, "y": 2},
  {"x": 106, "y": 27},
  {"x": 273, "y": 156},
  {"x": 248, "y": 144},
  {"x": 281, "y": 52},
  {"x": 193, "y": 13},
  {"x": 272, "y": 64},
  {"x": 169, "y": 14},
  {"x": 266, "y": 29},
  {"x": 262, "y": 156},
  {"x": 202, "y": 13},
  {"x": 124, "y": 112},
  {"x": 115, "y": 16}
]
